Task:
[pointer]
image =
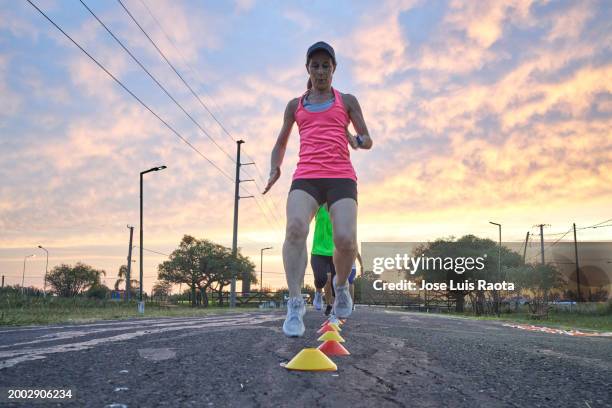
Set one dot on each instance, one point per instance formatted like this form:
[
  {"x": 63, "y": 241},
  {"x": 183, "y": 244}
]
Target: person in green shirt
[
  {"x": 322, "y": 262},
  {"x": 322, "y": 259}
]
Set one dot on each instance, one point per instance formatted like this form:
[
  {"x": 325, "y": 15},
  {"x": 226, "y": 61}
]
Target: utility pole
[
  {"x": 525, "y": 249},
  {"x": 542, "y": 240},
  {"x": 46, "y": 271},
  {"x": 261, "y": 267},
  {"x": 245, "y": 276},
  {"x": 23, "y": 275},
  {"x": 577, "y": 267},
  {"x": 128, "y": 277},
  {"x": 497, "y": 295},
  {"x": 3, "y": 281}
]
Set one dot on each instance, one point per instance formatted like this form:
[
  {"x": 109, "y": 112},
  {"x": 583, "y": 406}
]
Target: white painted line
[
  {"x": 65, "y": 335},
  {"x": 14, "y": 357}
]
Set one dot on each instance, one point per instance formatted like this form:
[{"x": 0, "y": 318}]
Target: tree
[
  {"x": 161, "y": 289},
  {"x": 69, "y": 281},
  {"x": 201, "y": 263},
  {"x": 98, "y": 291},
  {"x": 121, "y": 277},
  {"x": 466, "y": 246},
  {"x": 540, "y": 280},
  {"x": 222, "y": 277}
]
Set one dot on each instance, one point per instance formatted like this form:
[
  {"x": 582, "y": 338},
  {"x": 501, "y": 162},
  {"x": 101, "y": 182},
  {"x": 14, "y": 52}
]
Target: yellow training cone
[
  {"x": 311, "y": 359},
  {"x": 331, "y": 335}
]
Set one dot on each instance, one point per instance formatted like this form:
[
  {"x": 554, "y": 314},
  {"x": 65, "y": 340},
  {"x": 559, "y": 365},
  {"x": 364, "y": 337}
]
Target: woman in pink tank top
[{"x": 324, "y": 175}]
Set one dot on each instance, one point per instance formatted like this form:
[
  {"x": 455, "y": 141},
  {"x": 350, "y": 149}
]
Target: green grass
[
  {"x": 18, "y": 311},
  {"x": 599, "y": 318}
]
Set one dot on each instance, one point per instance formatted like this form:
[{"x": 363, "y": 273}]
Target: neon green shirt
[{"x": 323, "y": 241}]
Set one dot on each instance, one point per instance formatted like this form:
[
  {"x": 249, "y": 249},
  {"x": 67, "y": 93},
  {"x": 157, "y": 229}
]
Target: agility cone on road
[
  {"x": 331, "y": 335},
  {"x": 327, "y": 322},
  {"x": 333, "y": 348},
  {"x": 335, "y": 320},
  {"x": 336, "y": 327},
  {"x": 311, "y": 359},
  {"x": 328, "y": 327}
]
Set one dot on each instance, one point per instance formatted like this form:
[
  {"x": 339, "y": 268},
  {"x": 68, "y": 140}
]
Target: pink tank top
[{"x": 324, "y": 151}]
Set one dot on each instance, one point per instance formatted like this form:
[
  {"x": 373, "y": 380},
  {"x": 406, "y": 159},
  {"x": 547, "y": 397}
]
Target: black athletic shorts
[
  {"x": 327, "y": 190},
  {"x": 321, "y": 266}
]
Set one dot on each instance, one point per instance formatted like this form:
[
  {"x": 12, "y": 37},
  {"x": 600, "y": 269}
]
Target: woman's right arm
[{"x": 278, "y": 153}]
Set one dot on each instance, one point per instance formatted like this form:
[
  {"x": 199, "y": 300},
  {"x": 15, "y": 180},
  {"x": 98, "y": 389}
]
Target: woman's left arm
[{"x": 356, "y": 116}]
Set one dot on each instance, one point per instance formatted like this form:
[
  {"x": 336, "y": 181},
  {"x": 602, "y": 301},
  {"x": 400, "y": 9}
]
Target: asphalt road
[{"x": 397, "y": 359}]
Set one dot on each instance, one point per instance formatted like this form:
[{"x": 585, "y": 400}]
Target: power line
[
  {"x": 172, "y": 66},
  {"x": 223, "y": 128},
  {"x": 150, "y": 250},
  {"x": 193, "y": 72},
  {"x": 270, "y": 198},
  {"x": 102, "y": 67},
  {"x": 156, "y": 81},
  {"x": 190, "y": 88},
  {"x": 597, "y": 225},
  {"x": 551, "y": 245},
  {"x": 263, "y": 212}
]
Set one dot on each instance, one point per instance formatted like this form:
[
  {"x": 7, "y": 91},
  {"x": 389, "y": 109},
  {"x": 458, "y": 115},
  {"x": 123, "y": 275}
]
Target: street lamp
[
  {"x": 261, "y": 268},
  {"x": 141, "y": 243},
  {"x": 23, "y": 275},
  {"x": 46, "y": 271},
  {"x": 498, "y": 259}
]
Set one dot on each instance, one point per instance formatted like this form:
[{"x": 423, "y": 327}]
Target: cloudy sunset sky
[{"x": 479, "y": 111}]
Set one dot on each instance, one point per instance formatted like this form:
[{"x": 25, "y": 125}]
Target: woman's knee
[
  {"x": 297, "y": 230},
  {"x": 345, "y": 241}
]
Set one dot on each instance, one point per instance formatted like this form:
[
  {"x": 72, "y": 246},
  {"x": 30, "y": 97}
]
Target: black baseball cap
[{"x": 321, "y": 46}]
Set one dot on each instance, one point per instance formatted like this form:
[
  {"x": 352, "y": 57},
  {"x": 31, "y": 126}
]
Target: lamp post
[
  {"x": 141, "y": 307},
  {"x": 46, "y": 271},
  {"x": 499, "y": 249},
  {"x": 23, "y": 274},
  {"x": 498, "y": 262},
  {"x": 261, "y": 268}
]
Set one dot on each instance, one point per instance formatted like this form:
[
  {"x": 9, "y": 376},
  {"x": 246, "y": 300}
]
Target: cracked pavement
[{"x": 233, "y": 359}]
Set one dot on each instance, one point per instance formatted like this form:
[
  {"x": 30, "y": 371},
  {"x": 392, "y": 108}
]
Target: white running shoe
[
  {"x": 334, "y": 319},
  {"x": 318, "y": 301},
  {"x": 294, "y": 323},
  {"x": 343, "y": 304}
]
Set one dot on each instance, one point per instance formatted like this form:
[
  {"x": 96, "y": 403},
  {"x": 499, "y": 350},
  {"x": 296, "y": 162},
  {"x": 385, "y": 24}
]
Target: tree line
[
  {"x": 535, "y": 284},
  {"x": 202, "y": 265}
]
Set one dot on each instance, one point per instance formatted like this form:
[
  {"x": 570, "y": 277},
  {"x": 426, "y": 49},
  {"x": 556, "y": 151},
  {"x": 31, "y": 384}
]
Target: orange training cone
[
  {"x": 311, "y": 359},
  {"x": 331, "y": 335},
  {"x": 326, "y": 328},
  {"x": 333, "y": 348}
]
